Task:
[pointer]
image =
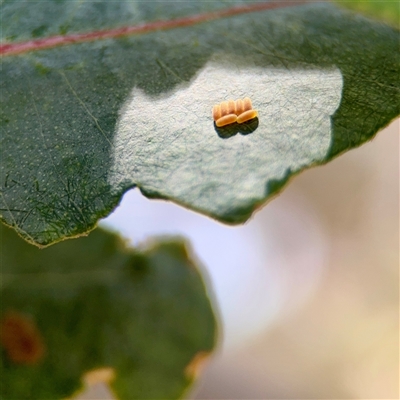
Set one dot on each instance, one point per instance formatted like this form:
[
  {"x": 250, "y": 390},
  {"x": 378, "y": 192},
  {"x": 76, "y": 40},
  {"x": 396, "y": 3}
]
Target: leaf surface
[
  {"x": 83, "y": 123},
  {"x": 91, "y": 304},
  {"x": 387, "y": 11}
]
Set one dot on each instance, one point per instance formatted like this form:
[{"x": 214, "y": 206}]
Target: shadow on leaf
[{"x": 226, "y": 132}]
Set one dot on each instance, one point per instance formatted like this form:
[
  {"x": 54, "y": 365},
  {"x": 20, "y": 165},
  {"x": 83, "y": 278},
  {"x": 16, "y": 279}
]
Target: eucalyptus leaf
[
  {"x": 82, "y": 124},
  {"x": 96, "y": 304}
]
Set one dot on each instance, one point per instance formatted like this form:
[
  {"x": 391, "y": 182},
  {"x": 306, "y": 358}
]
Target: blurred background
[
  {"x": 339, "y": 337},
  {"x": 307, "y": 291}
]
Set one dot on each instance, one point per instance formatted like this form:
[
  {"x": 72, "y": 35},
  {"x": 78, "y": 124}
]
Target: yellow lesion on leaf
[{"x": 21, "y": 339}]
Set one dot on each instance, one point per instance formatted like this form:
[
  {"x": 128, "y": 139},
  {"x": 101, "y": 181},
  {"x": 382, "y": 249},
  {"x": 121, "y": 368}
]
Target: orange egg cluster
[{"x": 232, "y": 111}]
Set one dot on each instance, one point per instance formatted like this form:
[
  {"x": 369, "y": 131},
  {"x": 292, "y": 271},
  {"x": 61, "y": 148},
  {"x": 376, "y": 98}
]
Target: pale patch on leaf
[{"x": 168, "y": 145}]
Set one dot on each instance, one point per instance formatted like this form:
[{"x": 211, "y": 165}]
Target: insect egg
[
  {"x": 231, "y": 107},
  {"x": 246, "y": 116},
  {"x": 239, "y": 106},
  {"x": 217, "y": 112},
  {"x": 226, "y": 120},
  {"x": 224, "y": 108},
  {"x": 247, "y": 104}
]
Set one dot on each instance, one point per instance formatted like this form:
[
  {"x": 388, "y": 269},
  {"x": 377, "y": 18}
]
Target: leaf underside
[{"x": 82, "y": 124}]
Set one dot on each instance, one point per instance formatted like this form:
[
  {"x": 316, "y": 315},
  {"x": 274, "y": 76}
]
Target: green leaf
[
  {"x": 83, "y": 123},
  {"x": 387, "y": 11},
  {"x": 94, "y": 304}
]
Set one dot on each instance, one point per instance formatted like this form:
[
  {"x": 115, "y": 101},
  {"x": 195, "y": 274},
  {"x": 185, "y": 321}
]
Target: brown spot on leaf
[
  {"x": 197, "y": 364},
  {"x": 21, "y": 338}
]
